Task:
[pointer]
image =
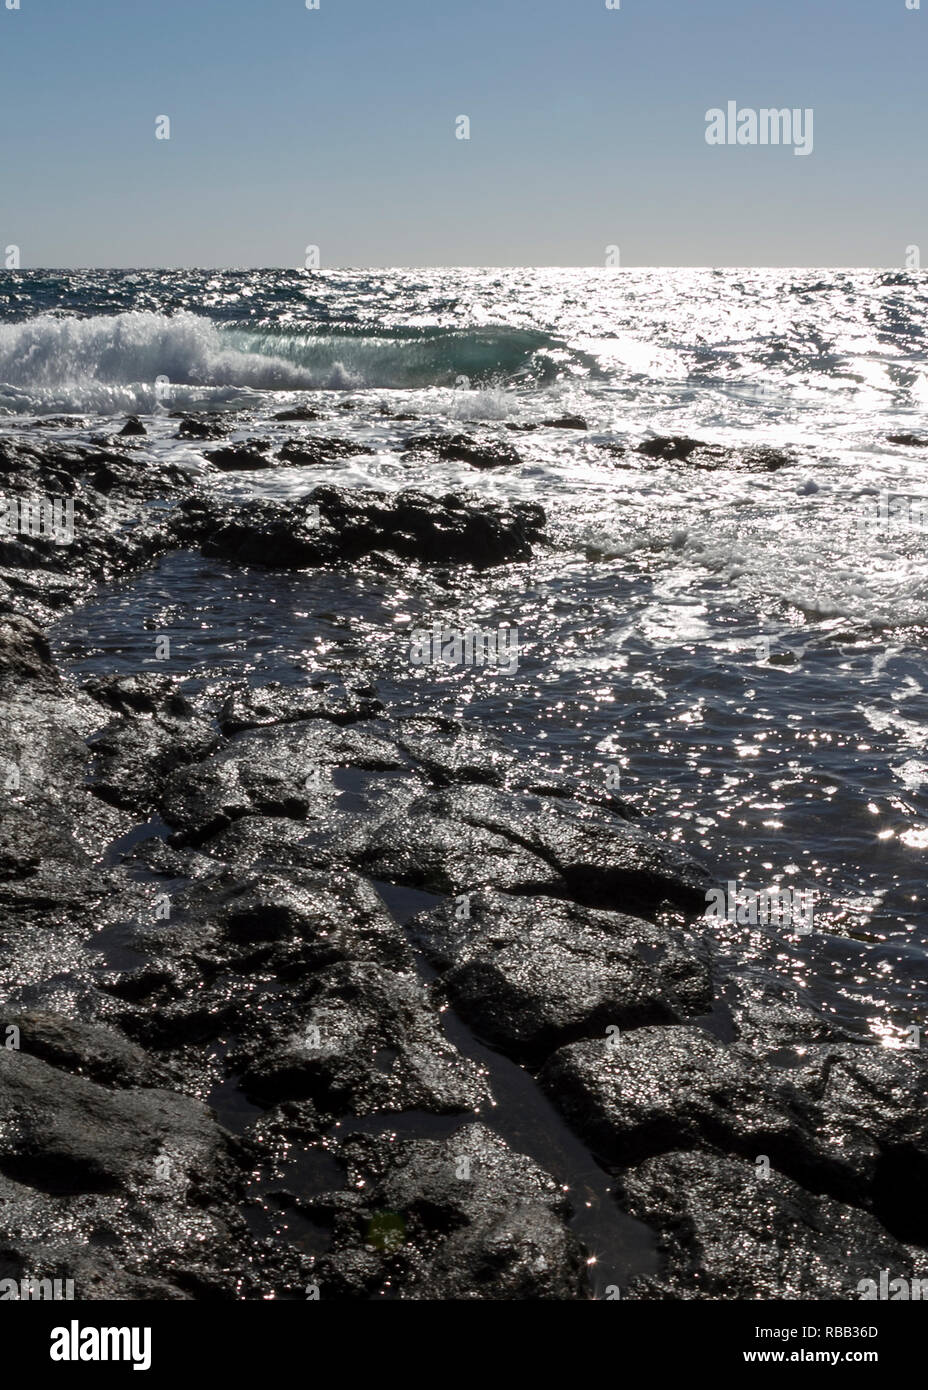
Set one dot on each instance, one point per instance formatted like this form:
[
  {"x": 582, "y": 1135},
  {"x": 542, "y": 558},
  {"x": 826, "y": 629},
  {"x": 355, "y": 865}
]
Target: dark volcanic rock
[
  {"x": 909, "y": 441},
  {"x": 679, "y": 449},
  {"x": 730, "y": 1233},
  {"x": 566, "y": 422},
  {"x": 240, "y": 457},
  {"x": 93, "y": 526},
  {"x": 253, "y": 707},
  {"x": 470, "y": 837},
  {"x": 868, "y": 1089},
  {"x": 670, "y": 447},
  {"x": 202, "y": 427},
  {"x": 133, "y": 426},
  {"x": 84, "y": 1049},
  {"x": 243, "y": 956},
  {"x": 65, "y": 1134},
  {"x": 533, "y": 973},
  {"x": 371, "y": 1041},
  {"x": 300, "y": 412},
  {"x": 154, "y": 731},
  {"x": 459, "y": 1218},
  {"x": 662, "y": 1089},
  {"x": 332, "y": 525},
  {"x": 313, "y": 451},
  {"x": 599, "y": 858},
  {"x": 274, "y": 771},
  {"x": 60, "y": 422},
  {"x": 449, "y": 842},
  {"x": 51, "y": 830},
  {"x": 461, "y": 448},
  {"x": 764, "y": 459},
  {"x": 24, "y": 653},
  {"x": 129, "y": 1192}
]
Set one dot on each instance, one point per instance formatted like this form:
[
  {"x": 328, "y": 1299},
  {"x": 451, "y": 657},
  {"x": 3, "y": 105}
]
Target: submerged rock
[
  {"x": 566, "y": 422},
  {"x": 680, "y": 449}
]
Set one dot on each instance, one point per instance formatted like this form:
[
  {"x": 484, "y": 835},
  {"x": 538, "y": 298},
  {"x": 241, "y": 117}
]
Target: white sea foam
[{"x": 111, "y": 363}]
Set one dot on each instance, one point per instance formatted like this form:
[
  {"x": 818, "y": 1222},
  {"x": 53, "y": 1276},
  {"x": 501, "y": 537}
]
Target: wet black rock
[
  {"x": 461, "y": 448},
  {"x": 136, "y": 477},
  {"x": 133, "y": 426},
  {"x": 673, "y": 448},
  {"x": 868, "y": 1089},
  {"x": 311, "y": 451},
  {"x": 566, "y": 422},
  {"x": 593, "y": 856},
  {"x": 764, "y": 459},
  {"x": 146, "y": 693},
  {"x": 280, "y": 770},
  {"x": 85, "y": 1049},
  {"x": 360, "y": 798},
  {"x": 240, "y": 457},
  {"x": 242, "y": 956},
  {"x": 730, "y": 1230},
  {"x": 77, "y": 515},
  {"x": 909, "y": 441},
  {"x": 680, "y": 449},
  {"x": 200, "y": 427},
  {"x": 332, "y": 525},
  {"x": 459, "y": 1218},
  {"x": 661, "y": 1089},
  {"x": 153, "y": 731},
  {"x": 24, "y": 652},
  {"x": 370, "y": 1042},
  {"x": 252, "y": 707},
  {"x": 532, "y": 974},
  {"x": 300, "y": 412},
  {"x": 65, "y": 1134},
  {"x": 60, "y": 422},
  {"x": 85, "y": 1169},
  {"x": 52, "y": 829}
]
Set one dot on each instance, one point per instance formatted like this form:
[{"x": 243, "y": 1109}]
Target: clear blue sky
[{"x": 336, "y": 127}]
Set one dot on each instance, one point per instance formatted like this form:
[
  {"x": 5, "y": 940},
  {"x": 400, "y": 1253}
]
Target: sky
[{"x": 336, "y": 127}]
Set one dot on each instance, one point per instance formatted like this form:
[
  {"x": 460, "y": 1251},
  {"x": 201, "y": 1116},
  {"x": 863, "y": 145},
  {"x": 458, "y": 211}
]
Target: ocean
[{"x": 739, "y": 651}]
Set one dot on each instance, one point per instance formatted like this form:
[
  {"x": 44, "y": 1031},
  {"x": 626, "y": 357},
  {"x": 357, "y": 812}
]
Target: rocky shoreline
[{"x": 238, "y": 926}]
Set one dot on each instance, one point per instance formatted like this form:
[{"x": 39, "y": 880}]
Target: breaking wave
[{"x": 111, "y": 363}]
